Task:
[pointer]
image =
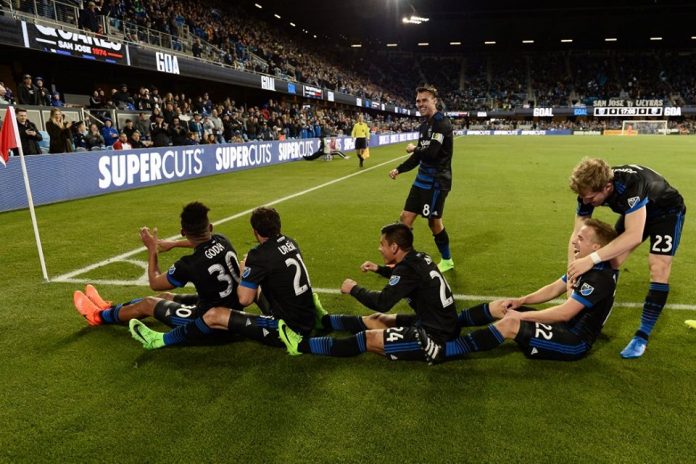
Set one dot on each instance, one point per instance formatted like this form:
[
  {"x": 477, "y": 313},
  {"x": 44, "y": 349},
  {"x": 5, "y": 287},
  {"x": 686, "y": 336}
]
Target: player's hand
[
  {"x": 393, "y": 173},
  {"x": 410, "y": 148},
  {"x": 369, "y": 266},
  {"x": 512, "y": 314},
  {"x": 149, "y": 238},
  {"x": 578, "y": 267},
  {"x": 348, "y": 285}
]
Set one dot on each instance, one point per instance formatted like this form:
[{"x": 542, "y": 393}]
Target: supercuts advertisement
[{"x": 75, "y": 44}]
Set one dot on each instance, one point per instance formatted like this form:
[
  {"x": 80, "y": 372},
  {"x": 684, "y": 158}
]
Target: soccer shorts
[
  {"x": 188, "y": 299},
  {"x": 175, "y": 314},
  {"x": 411, "y": 344},
  {"x": 429, "y": 203},
  {"x": 550, "y": 341},
  {"x": 360, "y": 143},
  {"x": 664, "y": 232}
]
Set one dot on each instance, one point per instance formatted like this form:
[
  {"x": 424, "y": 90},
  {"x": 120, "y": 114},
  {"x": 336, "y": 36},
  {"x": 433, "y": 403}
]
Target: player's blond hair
[
  {"x": 592, "y": 174},
  {"x": 604, "y": 233}
]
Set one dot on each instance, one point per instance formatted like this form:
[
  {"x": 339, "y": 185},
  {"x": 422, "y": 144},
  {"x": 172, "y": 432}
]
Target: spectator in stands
[
  {"x": 122, "y": 99},
  {"x": 59, "y": 131},
  {"x": 192, "y": 138},
  {"x": 168, "y": 112},
  {"x": 142, "y": 125},
  {"x": 178, "y": 133},
  {"x": 56, "y": 101},
  {"x": 129, "y": 129},
  {"x": 159, "y": 132},
  {"x": 109, "y": 132},
  {"x": 218, "y": 128},
  {"x": 138, "y": 143},
  {"x": 94, "y": 139},
  {"x": 196, "y": 48},
  {"x": 196, "y": 125},
  {"x": 4, "y": 100},
  {"x": 79, "y": 134},
  {"x": 43, "y": 95},
  {"x": 88, "y": 18},
  {"x": 27, "y": 92},
  {"x": 210, "y": 139},
  {"x": 28, "y": 134},
  {"x": 122, "y": 142},
  {"x": 145, "y": 102}
]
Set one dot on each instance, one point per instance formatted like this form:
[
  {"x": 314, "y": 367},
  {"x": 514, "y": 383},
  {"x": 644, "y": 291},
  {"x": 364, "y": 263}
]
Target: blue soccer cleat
[{"x": 635, "y": 348}]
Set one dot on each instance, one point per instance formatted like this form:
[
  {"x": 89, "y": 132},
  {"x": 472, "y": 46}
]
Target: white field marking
[{"x": 69, "y": 277}]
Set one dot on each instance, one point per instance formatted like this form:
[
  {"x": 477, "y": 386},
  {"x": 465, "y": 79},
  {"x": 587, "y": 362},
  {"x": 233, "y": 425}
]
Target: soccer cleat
[
  {"x": 87, "y": 308},
  {"x": 635, "y": 348},
  {"x": 150, "y": 339},
  {"x": 691, "y": 323},
  {"x": 93, "y": 295},
  {"x": 319, "y": 312},
  {"x": 446, "y": 265},
  {"x": 289, "y": 337}
]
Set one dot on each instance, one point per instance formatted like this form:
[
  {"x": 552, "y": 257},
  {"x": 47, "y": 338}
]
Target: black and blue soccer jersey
[
  {"x": 213, "y": 269},
  {"x": 637, "y": 186},
  {"x": 417, "y": 279},
  {"x": 595, "y": 290},
  {"x": 433, "y": 154},
  {"x": 277, "y": 267}
]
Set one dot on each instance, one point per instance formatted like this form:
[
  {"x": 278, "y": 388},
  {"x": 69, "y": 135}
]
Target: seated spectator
[
  {"x": 79, "y": 133},
  {"x": 196, "y": 125},
  {"x": 56, "y": 101},
  {"x": 122, "y": 99},
  {"x": 94, "y": 140},
  {"x": 138, "y": 143},
  {"x": 142, "y": 125},
  {"x": 4, "y": 100},
  {"x": 129, "y": 129},
  {"x": 109, "y": 133},
  {"x": 122, "y": 142},
  {"x": 28, "y": 133}
]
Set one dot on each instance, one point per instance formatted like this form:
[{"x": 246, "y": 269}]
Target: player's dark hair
[
  {"x": 265, "y": 221},
  {"x": 400, "y": 234},
  {"x": 194, "y": 219},
  {"x": 604, "y": 232}
]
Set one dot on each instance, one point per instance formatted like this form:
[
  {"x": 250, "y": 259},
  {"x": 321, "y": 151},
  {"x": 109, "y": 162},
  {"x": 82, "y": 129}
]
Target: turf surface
[{"x": 72, "y": 393}]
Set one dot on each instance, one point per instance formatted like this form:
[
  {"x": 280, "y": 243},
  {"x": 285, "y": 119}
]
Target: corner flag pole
[{"x": 29, "y": 197}]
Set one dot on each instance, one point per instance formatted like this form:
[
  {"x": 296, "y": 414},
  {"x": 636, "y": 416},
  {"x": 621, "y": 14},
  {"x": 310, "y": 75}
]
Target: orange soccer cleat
[
  {"x": 93, "y": 295},
  {"x": 87, "y": 308}
]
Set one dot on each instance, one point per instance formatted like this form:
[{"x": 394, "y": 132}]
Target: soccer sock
[
  {"x": 652, "y": 307},
  {"x": 110, "y": 316},
  {"x": 353, "y": 324},
  {"x": 479, "y": 340},
  {"x": 339, "y": 347},
  {"x": 263, "y": 329},
  {"x": 478, "y": 315},
  {"x": 442, "y": 242},
  {"x": 193, "y": 331}
]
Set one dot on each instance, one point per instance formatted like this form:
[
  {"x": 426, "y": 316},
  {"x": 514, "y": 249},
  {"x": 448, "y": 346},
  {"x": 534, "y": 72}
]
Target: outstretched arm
[{"x": 158, "y": 281}]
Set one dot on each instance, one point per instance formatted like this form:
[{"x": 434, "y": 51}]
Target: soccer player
[
  {"x": 276, "y": 266},
  {"x": 361, "y": 133},
  {"x": 213, "y": 268},
  {"x": 649, "y": 207},
  {"x": 565, "y": 332},
  {"x": 412, "y": 276},
  {"x": 433, "y": 156}
]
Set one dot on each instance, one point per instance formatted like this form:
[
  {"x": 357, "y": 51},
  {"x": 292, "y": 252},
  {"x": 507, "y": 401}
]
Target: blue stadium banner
[{"x": 55, "y": 178}]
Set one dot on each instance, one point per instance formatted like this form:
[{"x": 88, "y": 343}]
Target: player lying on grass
[
  {"x": 564, "y": 332},
  {"x": 412, "y": 276},
  {"x": 213, "y": 269},
  {"x": 276, "y": 266},
  {"x": 327, "y": 149}
]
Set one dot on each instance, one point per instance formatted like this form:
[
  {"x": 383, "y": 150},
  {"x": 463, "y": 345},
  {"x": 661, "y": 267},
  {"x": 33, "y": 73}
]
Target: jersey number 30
[{"x": 226, "y": 275}]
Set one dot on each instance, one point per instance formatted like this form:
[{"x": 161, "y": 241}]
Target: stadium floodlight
[
  {"x": 693, "y": 37},
  {"x": 423, "y": 44},
  {"x": 277, "y": 15},
  {"x": 258, "y": 6},
  {"x": 566, "y": 40},
  {"x": 528, "y": 41},
  {"x": 633, "y": 127},
  {"x": 610, "y": 39},
  {"x": 455, "y": 43},
  {"x": 356, "y": 45},
  {"x": 293, "y": 24},
  {"x": 489, "y": 42},
  {"x": 315, "y": 36},
  {"x": 655, "y": 38},
  {"x": 392, "y": 45},
  {"x": 413, "y": 19}
]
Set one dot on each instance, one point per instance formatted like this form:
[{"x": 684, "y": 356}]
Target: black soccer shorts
[
  {"x": 411, "y": 344},
  {"x": 550, "y": 341},
  {"x": 175, "y": 314},
  {"x": 429, "y": 203}
]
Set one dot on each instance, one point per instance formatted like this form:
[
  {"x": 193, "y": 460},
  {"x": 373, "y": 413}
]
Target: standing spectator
[
  {"x": 122, "y": 99},
  {"x": 217, "y": 126},
  {"x": 178, "y": 133},
  {"x": 27, "y": 92},
  {"x": 109, "y": 133},
  {"x": 159, "y": 132},
  {"x": 196, "y": 48},
  {"x": 28, "y": 134},
  {"x": 122, "y": 142},
  {"x": 142, "y": 125},
  {"x": 43, "y": 95},
  {"x": 88, "y": 18},
  {"x": 59, "y": 131},
  {"x": 94, "y": 139}
]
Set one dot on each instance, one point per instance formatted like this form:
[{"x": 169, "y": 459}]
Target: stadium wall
[{"x": 55, "y": 178}]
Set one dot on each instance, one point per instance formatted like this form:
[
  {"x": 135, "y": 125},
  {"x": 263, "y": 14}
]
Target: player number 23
[{"x": 663, "y": 243}]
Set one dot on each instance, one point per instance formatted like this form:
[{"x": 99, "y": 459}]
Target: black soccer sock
[
  {"x": 652, "y": 307},
  {"x": 478, "y": 315},
  {"x": 479, "y": 340},
  {"x": 263, "y": 304},
  {"x": 442, "y": 242},
  {"x": 353, "y": 324},
  {"x": 338, "y": 347},
  {"x": 260, "y": 328},
  {"x": 111, "y": 315},
  {"x": 191, "y": 332}
]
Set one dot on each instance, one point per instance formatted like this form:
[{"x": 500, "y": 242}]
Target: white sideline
[{"x": 70, "y": 275}]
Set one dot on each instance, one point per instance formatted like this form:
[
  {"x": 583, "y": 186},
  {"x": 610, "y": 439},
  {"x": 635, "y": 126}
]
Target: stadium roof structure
[{"x": 510, "y": 24}]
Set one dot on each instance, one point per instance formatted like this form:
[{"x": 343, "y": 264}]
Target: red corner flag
[{"x": 8, "y": 137}]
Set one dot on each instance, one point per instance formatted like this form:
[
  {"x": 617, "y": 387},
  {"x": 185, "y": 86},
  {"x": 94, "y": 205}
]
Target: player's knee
[
  {"x": 660, "y": 270},
  {"x": 508, "y": 327},
  {"x": 435, "y": 225},
  {"x": 374, "y": 341},
  {"x": 407, "y": 218},
  {"x": 216, "y": 317},
  {"x": 377, "y": 321},
  {"x": 169, "y": 296}
]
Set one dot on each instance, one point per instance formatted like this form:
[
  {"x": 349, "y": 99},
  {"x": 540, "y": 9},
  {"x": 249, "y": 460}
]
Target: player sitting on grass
[
  {"x": 213, "y": 269},
  {"x": 565, "y": 332},
  {"x": 412, "y": 276},
  {"x": 277, "y": 267}
]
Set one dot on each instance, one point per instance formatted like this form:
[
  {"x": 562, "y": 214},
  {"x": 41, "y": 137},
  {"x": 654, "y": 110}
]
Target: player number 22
[{"x": 665, "y": 241}]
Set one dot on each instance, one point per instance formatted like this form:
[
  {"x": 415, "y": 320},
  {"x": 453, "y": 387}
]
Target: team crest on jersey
[
  {"x": 394, "y": 280},
  {"x": 438, "y": 137},
  {"x": 586, "y": 289},
  {"x": 247, "y": 271},
  {"x": 172, "y": 269},
  {"x": 632, "y": 201}
]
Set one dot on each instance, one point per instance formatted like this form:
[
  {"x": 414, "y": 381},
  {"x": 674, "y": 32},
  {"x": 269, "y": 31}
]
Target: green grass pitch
[{"x": 73, "y": 393}]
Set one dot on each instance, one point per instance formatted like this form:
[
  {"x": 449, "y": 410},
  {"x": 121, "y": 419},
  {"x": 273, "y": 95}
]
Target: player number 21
[{"x": 299, "y": 266}]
